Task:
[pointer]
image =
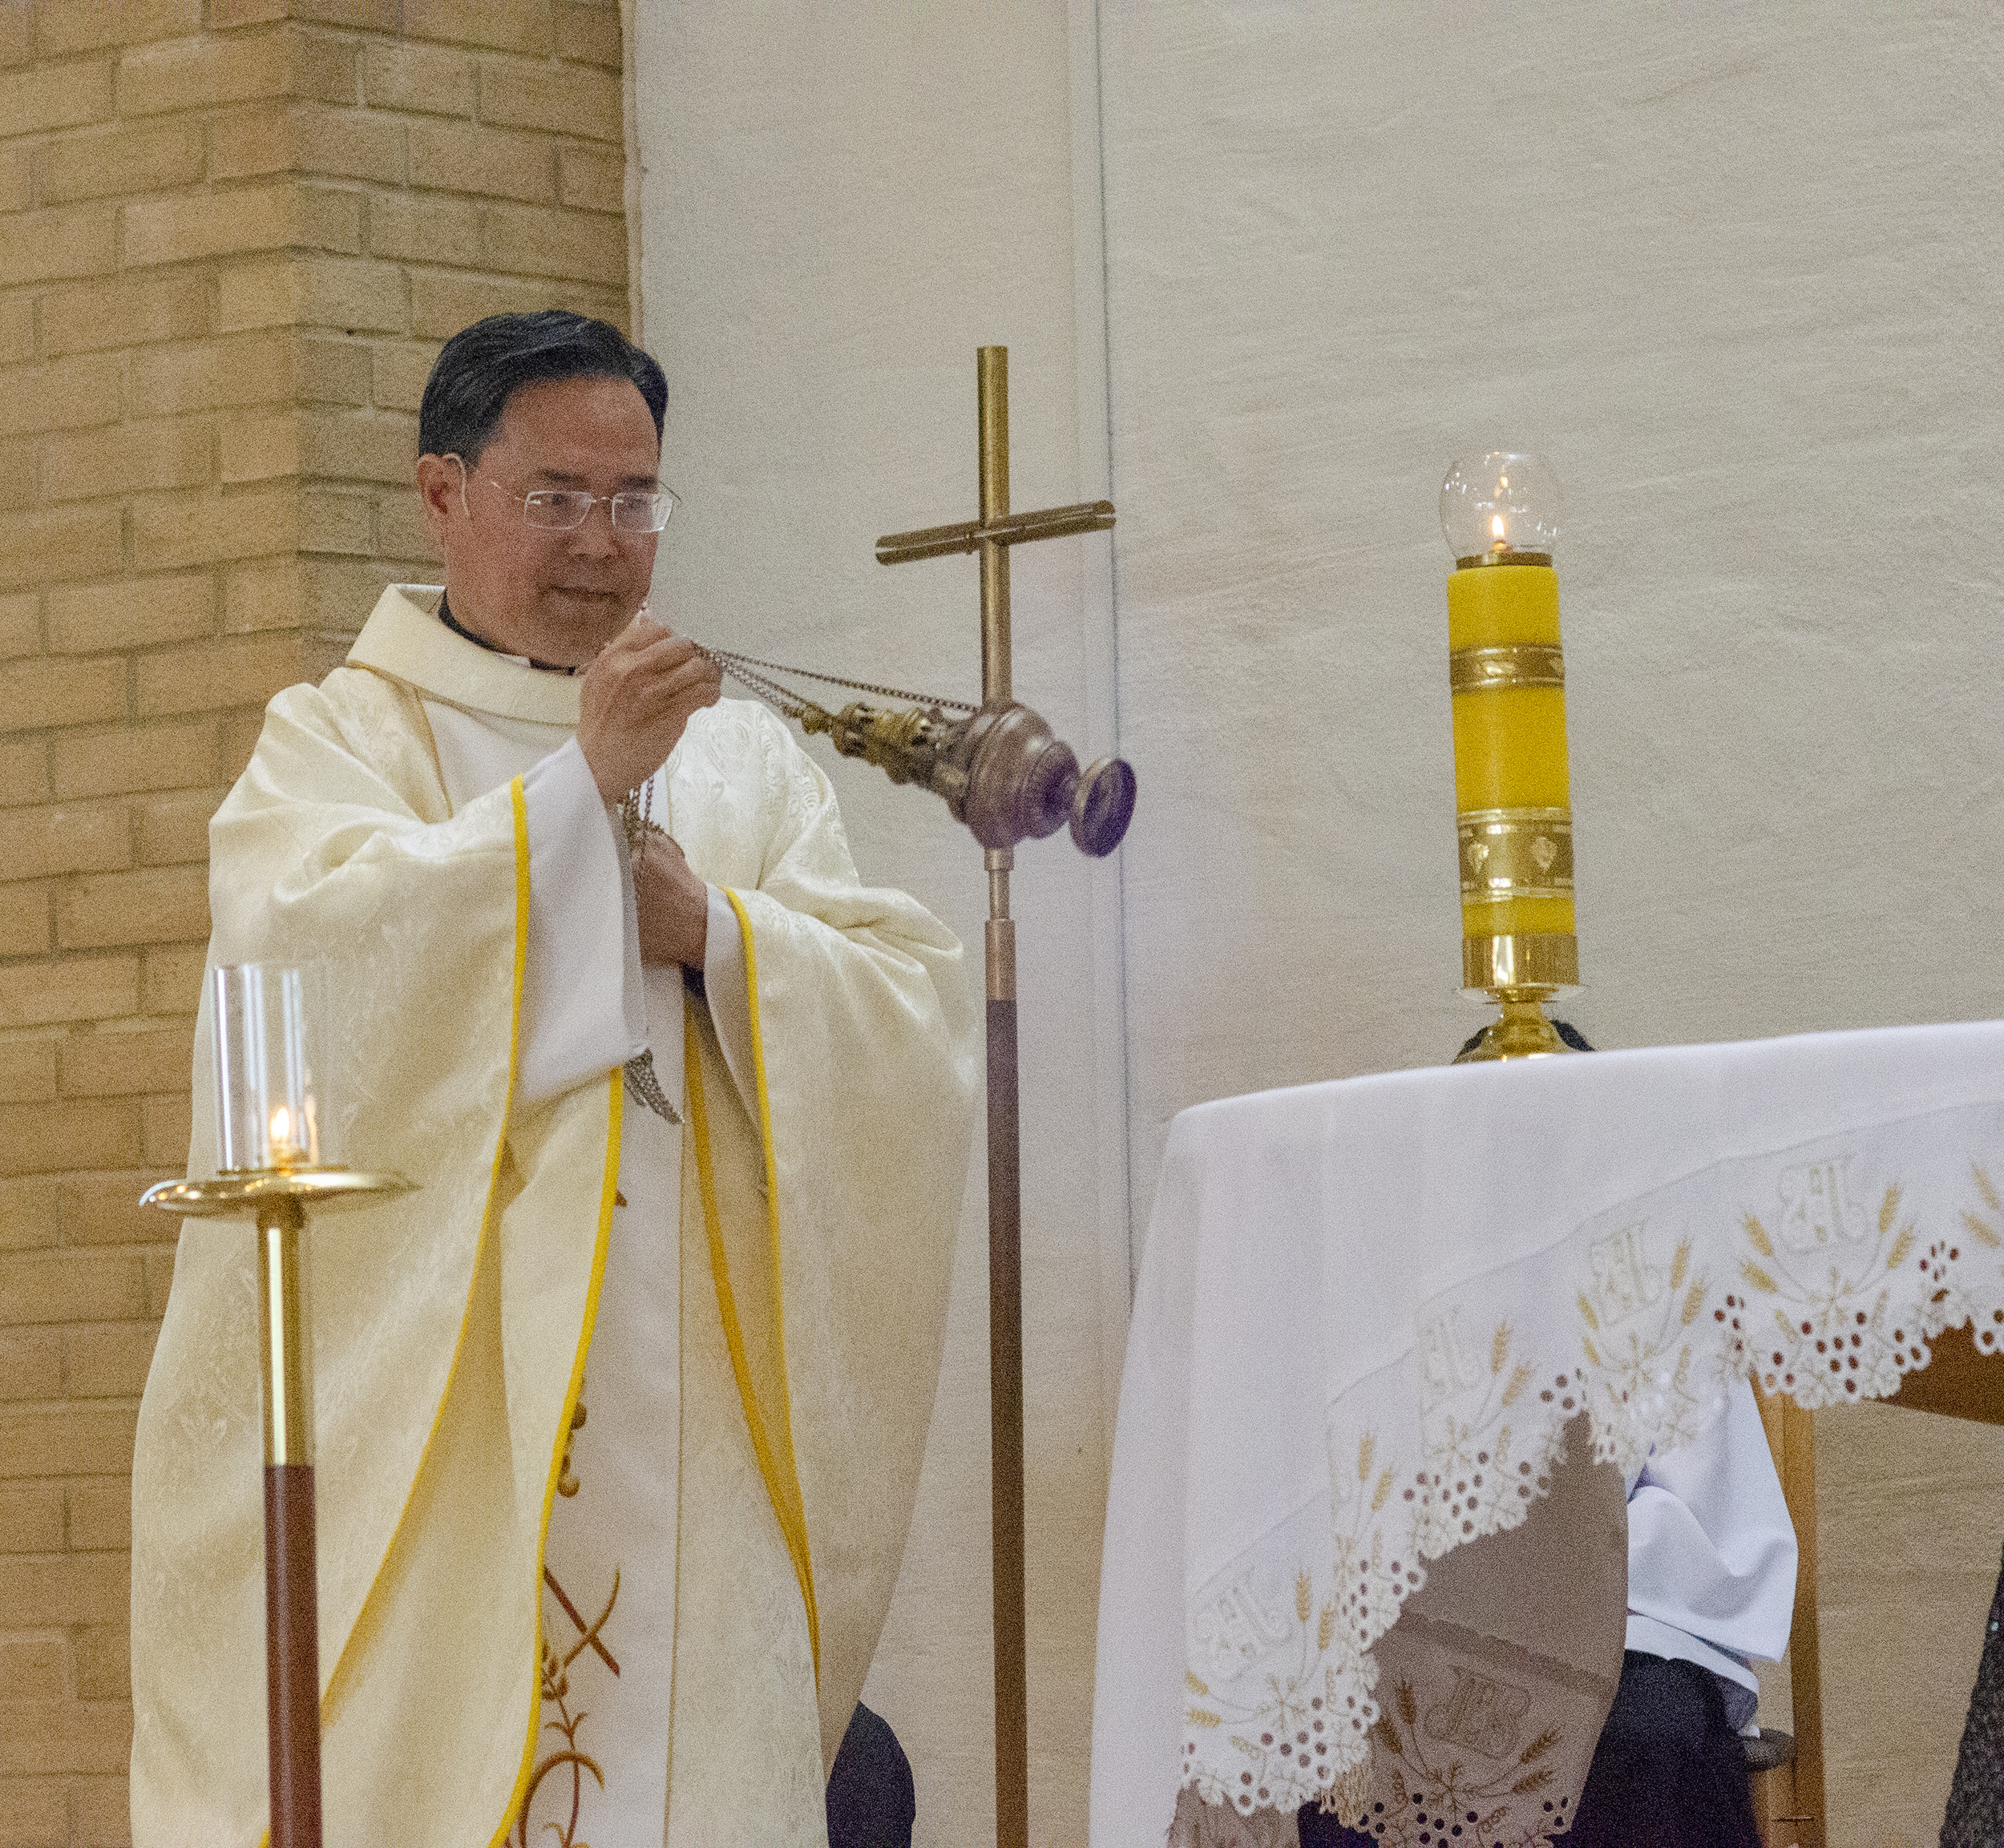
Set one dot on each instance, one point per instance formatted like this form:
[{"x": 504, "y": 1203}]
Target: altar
[{"x": 1382, "y": 1320}]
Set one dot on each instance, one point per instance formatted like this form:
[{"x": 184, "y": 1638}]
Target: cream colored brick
[
  {"x": 261, "y": 448},
  {"x": 400, "y": 532},
  {"x": 99, "y": 1807},
  {"x": 103, "y": 1658},
  {"x": 16, "y": 329},
  {"x": 74, "y": 393},
  {"x": 378, "y": 447},
  {"x": 20, "y": 625},
  {"x": 458, "y": 157},
  {"x": 20, "y": 469},
  {"x": 108, "y": 1363},
  {"x": 206, "y": 676},
  {"x": 341, "y": 592},
  {"x": 25, "y": 928},
  {"x": 214, "y": 374},
  {"x": 165, "y": 1122},
  {"x": 24, "y": 772},
  {"x": 16, "y": 47},
  {"x": 397, "y": 371},
  {"x": 159, "y": 1280},
  {"x": 30, "y": 1363},
  {"x": 40, "y": 1138},
  {"x": 324, "y": 70},
  {"x": 54, "y": 96},
  {"x": 424, "y": 230},
  {"x": 349, "y": 144},
  {"x": 251, "y": 142},
  {"x": 176, "y": 756},
  {"x": 173, "y": 830},
  {"x": 335, "y": 522},
  {"x": 198, "y": 529},
  {"x": 594, "y": 182},
  {"x": 89, "y": 1735},
  {"x": 526, "y": 242},
  {"x": 66, "y": 1286},
  {"x": 268, "y": 595},
  {"x": 30, "y": 1216},
  {"x": 205, "y": 72},
  {"x": 375, "y": 15},
  {"x": 130, "y": 612},
  {"x": 71, "y": 26},
  {"x": 241, "y": 729},
  {"x": 506, "y": 25},
  {"x": 30, "y": 1519},
  {"x": 17, "y": 179},
  {"x": 356, "y": 297},
  {"x": 257, "y": 294},
  {"x": 124, "y": 314},
  {"x": 116, "y": 1064},
  {"x": 441, "y": 304},
  {"x": 155, "y": 904},
  {"x": 55, "y": 245},
  {"x": 333, "y": 371},
  {"x": 34, "y": 694},
  {"x": 196, "y": 225},
  {"x": 418, "y": 79},
  {"x": 104, "y": 1208},
  {"x": 150, "y": 158},
  {"x": 40, "y": 1661},
  {"x": 27, "y": 1070},
  {"x": 86, "y": 1589},
  {"x": 559, "y": 100},
  {"x": 72, "y": 988},
  {"x": 67, "y": 543},
  {"x": 160, "y": 453},
  {"x": 589, "y": 33},
  {"x": 81, "y": 838},
  {"x": 329, "y": 218}
]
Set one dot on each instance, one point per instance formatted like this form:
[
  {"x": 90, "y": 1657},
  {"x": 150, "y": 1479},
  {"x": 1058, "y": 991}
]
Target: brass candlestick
[
  {"x": 267, "y": 1131},
  {"x": 1507, "y": 677}
]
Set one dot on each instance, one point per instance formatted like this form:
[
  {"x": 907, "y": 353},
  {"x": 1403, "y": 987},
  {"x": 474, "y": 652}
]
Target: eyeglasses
[{"x": 565, "y": 510}]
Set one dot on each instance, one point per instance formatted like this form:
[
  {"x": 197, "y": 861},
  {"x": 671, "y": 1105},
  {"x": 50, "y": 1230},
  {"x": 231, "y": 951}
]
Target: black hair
[{"x": 481, "y": 366}]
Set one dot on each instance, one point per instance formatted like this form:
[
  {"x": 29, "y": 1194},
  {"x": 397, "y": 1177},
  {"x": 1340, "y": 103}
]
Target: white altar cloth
[{"x": 1366, "y": 1312}]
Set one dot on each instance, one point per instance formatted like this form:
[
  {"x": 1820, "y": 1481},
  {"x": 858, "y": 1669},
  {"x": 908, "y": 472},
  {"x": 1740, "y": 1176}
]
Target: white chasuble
[{"x": 610, "y": 1389}]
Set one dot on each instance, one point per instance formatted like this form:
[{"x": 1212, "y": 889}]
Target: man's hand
[
  {"x": 637, "y": 698},
  {"x": 674, "y": 904}
]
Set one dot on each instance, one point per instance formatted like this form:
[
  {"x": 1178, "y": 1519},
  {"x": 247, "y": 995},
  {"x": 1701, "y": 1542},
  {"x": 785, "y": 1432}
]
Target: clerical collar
[{"x": 459, "y": 628}]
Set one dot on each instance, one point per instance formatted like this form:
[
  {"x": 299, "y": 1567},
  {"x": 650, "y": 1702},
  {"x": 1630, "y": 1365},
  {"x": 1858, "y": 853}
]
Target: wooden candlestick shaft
[{"x": 292, "y": 1625}]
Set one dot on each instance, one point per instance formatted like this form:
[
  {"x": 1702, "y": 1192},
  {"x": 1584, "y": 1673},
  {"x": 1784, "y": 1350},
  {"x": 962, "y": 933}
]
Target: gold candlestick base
[{"x": 1521, "y": 973}]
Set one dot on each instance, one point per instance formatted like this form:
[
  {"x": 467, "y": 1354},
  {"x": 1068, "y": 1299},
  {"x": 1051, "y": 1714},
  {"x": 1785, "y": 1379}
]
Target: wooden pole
[
  {"x": 1005, "y": 1194},
  {"x": 292, "y": 1620}
]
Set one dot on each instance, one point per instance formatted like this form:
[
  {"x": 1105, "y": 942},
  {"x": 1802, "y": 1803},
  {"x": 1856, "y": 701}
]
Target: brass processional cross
[{"x": 992, "y": 535}]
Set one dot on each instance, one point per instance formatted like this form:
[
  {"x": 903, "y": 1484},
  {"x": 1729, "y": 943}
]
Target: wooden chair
[{"x": 1786, "y": 1771}]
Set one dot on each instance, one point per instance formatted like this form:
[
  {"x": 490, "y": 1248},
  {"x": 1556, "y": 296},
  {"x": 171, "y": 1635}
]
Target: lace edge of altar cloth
[{"x": 1824, "y": 1269}]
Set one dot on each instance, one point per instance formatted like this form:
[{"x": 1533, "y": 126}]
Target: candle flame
[
  {"x": 1496, "y": 527},
  {"x": 282, "y": 1140}
]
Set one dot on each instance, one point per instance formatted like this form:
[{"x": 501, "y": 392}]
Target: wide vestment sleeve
[
  {"x": 449, "y": 1326},
  {"x": 833, "y": 1203}
]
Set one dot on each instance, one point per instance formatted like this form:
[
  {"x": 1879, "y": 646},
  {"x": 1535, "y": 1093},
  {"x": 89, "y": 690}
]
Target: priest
[{"x": 620, "y": 1417}]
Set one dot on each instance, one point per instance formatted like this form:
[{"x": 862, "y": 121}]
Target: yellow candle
[{"x": 1510, "y": 782}]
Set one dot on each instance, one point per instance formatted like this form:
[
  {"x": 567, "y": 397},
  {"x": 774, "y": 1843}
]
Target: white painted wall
[
  {"x": 838, "y": 205},
  {"x": 1736, "y": 271}
]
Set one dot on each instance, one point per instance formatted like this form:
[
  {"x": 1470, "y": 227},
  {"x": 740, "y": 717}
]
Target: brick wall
[{"x": 231, "y": 237}]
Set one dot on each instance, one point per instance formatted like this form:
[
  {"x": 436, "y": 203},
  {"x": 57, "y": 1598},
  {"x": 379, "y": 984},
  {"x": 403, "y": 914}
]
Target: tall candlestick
[{"x": 1513, "y": 796}]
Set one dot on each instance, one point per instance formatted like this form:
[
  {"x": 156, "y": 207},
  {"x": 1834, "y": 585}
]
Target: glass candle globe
[{"x": 1502, "y": 506}]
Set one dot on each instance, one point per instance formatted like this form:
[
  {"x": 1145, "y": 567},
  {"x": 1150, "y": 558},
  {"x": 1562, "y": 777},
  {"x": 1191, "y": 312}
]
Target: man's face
[{"x": 557, "y": 597}]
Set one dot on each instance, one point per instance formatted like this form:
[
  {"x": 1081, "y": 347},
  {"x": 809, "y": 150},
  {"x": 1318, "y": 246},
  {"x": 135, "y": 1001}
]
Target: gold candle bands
[{"x": 1512, "y": 792}]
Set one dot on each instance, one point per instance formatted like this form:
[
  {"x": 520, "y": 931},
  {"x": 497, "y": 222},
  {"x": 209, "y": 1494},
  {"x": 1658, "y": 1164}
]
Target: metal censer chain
[{"x": 637, "y": 818}]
